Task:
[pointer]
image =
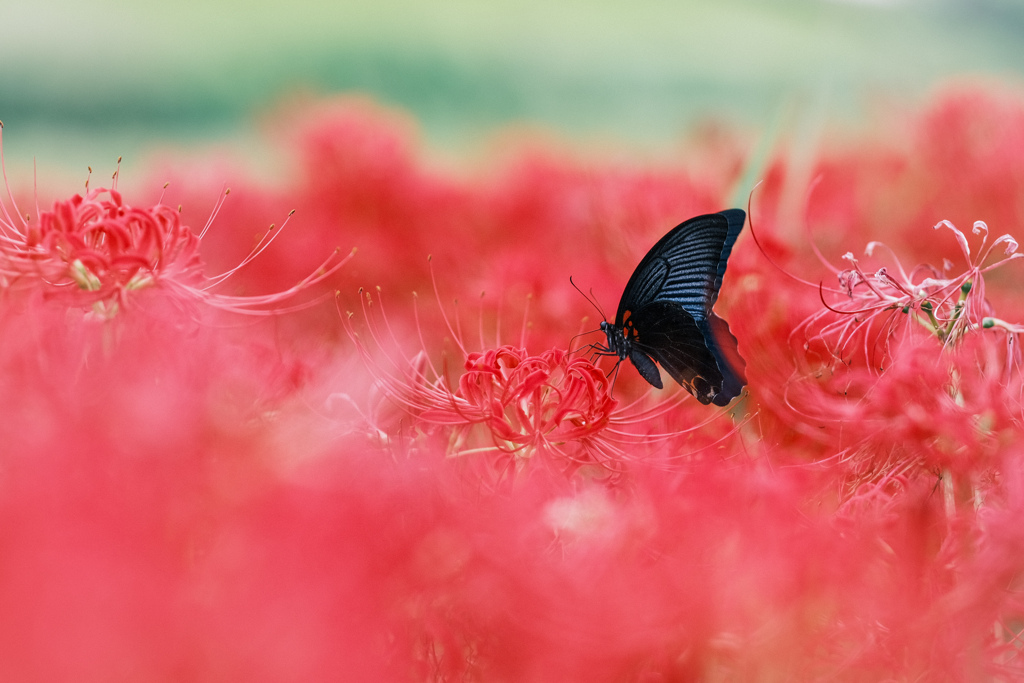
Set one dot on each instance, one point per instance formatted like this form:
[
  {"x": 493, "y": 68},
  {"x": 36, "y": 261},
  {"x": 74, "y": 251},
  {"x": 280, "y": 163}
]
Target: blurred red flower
[{"x": 265, "y": 501}]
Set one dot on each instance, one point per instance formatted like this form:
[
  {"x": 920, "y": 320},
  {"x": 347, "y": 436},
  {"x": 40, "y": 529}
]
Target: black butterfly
[{"x": 665, "y": 311}]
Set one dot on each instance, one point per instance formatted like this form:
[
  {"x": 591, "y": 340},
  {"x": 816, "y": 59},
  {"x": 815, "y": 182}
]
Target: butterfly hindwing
[
  {"x": 722, "y": 344},
  {"x": 670, "y": 335}
]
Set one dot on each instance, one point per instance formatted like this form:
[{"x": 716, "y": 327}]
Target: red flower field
[{"x": 367, "y": 445}]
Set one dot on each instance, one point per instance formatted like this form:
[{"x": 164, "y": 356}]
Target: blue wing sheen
[
  {"x": 736, "y": 219},
  {"x": 686, "y": 266}
]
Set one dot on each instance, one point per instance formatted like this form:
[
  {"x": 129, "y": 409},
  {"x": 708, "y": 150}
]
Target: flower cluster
[
  {"x": 948, "y": 304},
  {"x": 935, "y": 402}
]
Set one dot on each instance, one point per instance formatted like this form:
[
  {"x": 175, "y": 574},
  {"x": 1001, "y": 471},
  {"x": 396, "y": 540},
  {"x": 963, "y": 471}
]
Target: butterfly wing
[
  {"x": 736, "y": 219},
  {"x": 664, "y": 331},
  {"x": 723, "y": 346},
  {"x": 686, "y": 266},
  {"x": 665, "y": 310}
]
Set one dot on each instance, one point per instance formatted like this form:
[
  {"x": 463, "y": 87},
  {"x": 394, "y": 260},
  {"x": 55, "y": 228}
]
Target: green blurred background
[{"x": 81, "y": 83}]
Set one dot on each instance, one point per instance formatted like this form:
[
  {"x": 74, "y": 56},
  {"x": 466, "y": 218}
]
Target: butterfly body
[{"x": 665, "y": 315}]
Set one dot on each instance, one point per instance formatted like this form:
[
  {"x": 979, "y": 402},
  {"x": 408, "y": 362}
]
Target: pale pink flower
[
  {"x": 883, "y": 400},
  {"x": 872, "y": 307}
]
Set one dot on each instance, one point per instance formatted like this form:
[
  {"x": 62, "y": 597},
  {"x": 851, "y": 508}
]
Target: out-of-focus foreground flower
[{"x": 427, "y": 495}]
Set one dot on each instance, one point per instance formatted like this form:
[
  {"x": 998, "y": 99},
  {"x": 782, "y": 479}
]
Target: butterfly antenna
[
  {"x": 592, "y": 299},
  {"x": 597, "y": 305}
]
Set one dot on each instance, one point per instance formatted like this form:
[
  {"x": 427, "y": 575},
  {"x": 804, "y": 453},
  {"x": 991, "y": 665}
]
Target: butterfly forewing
[{"x": 683, "y": 266}]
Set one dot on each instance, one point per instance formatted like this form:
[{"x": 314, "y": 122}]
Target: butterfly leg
[
  {"x": 615, "y": 376},
  {"x": 600, "y": 353},
  {"x": 595, "y": 347}
]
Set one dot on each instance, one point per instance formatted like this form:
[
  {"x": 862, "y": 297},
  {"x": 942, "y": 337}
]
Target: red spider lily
[
  {"x": 96, "y": 249},
  {"x": 517, "y": 407},
  {"x": 531, "y": 403},
  {"x": 931, "y": 413}
]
